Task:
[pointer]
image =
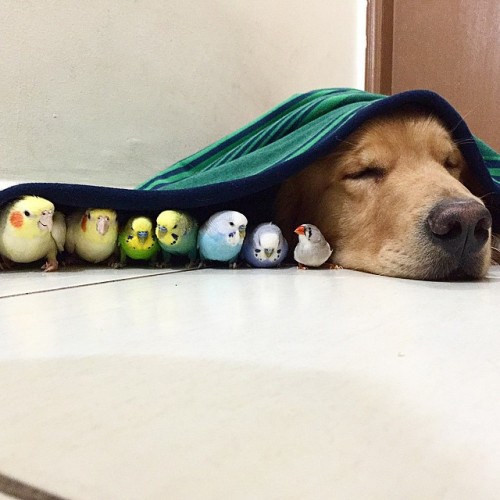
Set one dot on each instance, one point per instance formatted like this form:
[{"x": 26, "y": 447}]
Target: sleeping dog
[{"x": 395, "y": 198}]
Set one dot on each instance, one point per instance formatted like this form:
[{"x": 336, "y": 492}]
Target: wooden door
[{"x": 449, "y": 46}]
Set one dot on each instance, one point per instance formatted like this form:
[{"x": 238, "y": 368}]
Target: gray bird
[{"x": 312, "y": 250}]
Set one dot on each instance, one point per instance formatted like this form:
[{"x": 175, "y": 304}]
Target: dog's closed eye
[
  {"x": 367, "y": 173},
  {"x": 451, "y": 164}
]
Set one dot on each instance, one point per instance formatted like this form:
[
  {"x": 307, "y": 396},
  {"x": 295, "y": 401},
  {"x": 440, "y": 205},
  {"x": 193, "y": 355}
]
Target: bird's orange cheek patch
[
  {"x": 84, "y": 223},
  {"x": 16, "y": 219}
]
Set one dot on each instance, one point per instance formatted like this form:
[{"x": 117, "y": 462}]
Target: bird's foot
[
  {"x": 50, "y": 266},
  {"x": 6, "y": 264},
  {"x": 111, "y": 262},
  {"x": 163, "y": 265},
  {"x": 158, "y": 265},
  {"x": 301, "y": 267},
  {"x": 117, "y": 265},
  {"x": 71, "y": 260},
  {"x": 332, "y": 266},
  {"x": 193, "y": 264}
]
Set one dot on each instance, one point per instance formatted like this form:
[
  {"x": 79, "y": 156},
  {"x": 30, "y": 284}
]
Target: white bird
[{"x": 312, "y": 250}]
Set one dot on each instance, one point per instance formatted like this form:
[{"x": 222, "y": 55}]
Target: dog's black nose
[{"x": 460, "y": 227}]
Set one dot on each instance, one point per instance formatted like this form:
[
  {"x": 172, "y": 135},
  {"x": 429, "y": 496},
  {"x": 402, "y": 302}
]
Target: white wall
[{"x": 111, "y": 91}]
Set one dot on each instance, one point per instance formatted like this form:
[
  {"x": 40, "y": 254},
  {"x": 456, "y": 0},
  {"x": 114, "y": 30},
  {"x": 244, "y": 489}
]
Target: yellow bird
[
  {"x": 31, "y": 230},
  {"x": 92, "y": 234},
  {"x": 137, "y": 241}
]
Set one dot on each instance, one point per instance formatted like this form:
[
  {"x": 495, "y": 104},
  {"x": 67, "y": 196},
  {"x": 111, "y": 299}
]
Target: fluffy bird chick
[
  {"x": 312, "y": 250},
  {"x": 265, "y": 246},
  {"x": 177, "y": 234},
  {"x": 221, "y": 237},
  {"x": 31, "y": 230},
  {"x": 137, "y": 241},
  {"x": 92, "y": 234}
]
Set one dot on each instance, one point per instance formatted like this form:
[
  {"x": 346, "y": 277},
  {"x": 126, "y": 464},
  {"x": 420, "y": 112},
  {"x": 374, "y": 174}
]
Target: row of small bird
[{"x": 31, "y": 229}]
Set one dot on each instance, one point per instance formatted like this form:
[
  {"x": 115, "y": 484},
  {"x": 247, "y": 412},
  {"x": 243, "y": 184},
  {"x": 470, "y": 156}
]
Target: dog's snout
[{"x": 460, "y": 227}]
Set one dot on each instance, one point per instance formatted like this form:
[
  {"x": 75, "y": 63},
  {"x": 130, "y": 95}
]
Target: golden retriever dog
[{"x": 392, "y": 200}]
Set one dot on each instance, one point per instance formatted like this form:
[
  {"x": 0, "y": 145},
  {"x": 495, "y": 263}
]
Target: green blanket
[{"x": 244, "y": 169}]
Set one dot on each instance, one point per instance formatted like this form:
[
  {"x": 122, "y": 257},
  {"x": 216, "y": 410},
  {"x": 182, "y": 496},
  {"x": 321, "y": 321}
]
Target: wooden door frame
[{"x": 379, "y": 46}]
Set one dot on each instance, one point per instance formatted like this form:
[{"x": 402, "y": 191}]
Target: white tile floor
[{"x": 250, "y": 384}]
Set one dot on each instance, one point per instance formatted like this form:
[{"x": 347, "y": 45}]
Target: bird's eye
[
  {"x": 27, "y": 213},
  {"x": 231, "y": 224},
  {"x": 373, "y": 173},
  {"x": 175, "y": 227},
  {"x": 88, "y": 216}
]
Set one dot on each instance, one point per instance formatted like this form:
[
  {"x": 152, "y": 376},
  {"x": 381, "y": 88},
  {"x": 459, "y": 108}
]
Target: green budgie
[
  {"x": 177, "y": 233},
  {"x": 137, "y": 241}
]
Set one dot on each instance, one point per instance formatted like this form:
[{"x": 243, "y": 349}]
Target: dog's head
[{"x": 391, "y": 200}]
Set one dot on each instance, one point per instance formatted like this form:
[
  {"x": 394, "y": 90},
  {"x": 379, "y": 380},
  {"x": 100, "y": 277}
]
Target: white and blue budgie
[
  {"x": 265, "y": 246},
  {"x": 220, "y": 238}
]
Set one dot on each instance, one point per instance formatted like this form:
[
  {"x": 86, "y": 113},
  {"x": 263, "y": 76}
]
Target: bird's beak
[
  {"x": 299, "y": 230},
  {"x": 243, "y": 231},
  {"x": 142, "y": 235},
  {"x": 45, "y": 222},
  {"x": 102, "y": 225},
  {"x": 162, "y": 229},
  {"x": 268, "y": 252}
]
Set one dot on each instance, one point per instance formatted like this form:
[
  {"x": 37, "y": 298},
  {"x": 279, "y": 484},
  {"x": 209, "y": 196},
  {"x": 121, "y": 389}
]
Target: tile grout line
[
  {"x": 82, "y": 285},
  {"x": 24, "y": 491}
]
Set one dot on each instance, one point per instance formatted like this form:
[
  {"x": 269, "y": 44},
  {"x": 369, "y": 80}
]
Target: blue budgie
[
  {"x": 265, "y": 246},
  {"x": 220, "y": 238}
]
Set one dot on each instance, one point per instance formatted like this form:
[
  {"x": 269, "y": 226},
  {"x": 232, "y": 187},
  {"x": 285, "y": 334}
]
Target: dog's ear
[
  {"x": 494, "y": 208},
  {"x": 472, "y": 184},
  {"x": 477, "y": 189},
  {"x": 495, "y": 249},
  {"x": 286, "y": 207}
]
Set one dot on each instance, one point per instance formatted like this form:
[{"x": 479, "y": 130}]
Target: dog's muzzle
[{"x": 460, "y": 228}]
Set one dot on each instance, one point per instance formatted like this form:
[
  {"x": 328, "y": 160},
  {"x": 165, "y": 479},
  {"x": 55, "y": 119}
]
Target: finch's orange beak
[{"x": 300, "y": 230}]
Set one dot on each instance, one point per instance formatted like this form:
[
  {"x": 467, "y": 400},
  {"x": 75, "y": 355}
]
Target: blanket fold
[{"x": 245, "y": 167}]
